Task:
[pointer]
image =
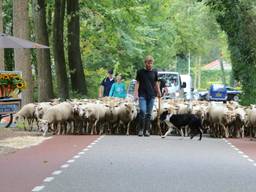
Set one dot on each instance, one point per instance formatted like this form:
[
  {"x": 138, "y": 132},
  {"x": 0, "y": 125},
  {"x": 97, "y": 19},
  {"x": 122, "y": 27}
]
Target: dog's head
[{"x": 164, "y": 116}]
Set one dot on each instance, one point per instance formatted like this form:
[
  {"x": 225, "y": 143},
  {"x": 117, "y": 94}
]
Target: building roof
[{"x": 215, "y": 65}]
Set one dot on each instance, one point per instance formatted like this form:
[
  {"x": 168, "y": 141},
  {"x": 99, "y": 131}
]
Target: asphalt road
[{"x": 135, "y": 164}]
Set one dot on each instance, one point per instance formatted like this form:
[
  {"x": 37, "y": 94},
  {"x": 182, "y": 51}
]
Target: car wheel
[{"x": 236, "y": 98}]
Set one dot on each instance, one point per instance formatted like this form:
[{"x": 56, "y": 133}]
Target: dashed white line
[
  {"x": 57, "y": 172},
  {"x": 65, "y": 166},
  {"x": 48, "y": 179},
  {"x": 240, "y": 152},
  {"x": 38, "y": 188},
  {"x": 71, "y": 161}
]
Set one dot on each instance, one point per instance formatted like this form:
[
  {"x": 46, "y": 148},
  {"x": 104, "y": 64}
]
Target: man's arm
[
  {"x": 157, "y": 88},
  {"x": 136, "y": 90},
  {"x": 101, "y": 90}
]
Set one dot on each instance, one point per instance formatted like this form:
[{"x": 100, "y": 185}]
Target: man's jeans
[{"x": 146, "y": 107}]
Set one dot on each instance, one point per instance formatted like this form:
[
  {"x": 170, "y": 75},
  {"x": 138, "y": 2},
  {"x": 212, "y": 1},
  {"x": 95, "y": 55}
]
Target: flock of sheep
[{"x": 120, "y": 116}]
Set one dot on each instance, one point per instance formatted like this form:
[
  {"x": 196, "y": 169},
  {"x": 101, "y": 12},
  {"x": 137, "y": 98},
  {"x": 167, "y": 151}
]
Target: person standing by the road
[
  {"x": 163, "y": 87},
  {"x": 106, "y": 84},
  {"x": 146, "y": 89},
  {"x": 118, "y": 88}
]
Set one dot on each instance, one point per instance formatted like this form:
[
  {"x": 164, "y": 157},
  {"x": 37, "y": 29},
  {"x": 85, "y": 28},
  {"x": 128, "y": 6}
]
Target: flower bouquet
[{"x": 11, "y": 84}]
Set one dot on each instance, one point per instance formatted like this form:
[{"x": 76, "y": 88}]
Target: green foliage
[
  {"x": 237, "y": 19},
  {"x": 93, "y": 79},
  {"x": 119, "y": 34}
]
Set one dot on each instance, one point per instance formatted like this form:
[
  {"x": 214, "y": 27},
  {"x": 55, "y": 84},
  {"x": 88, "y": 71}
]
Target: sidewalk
[{"x": 23, "y": 170}]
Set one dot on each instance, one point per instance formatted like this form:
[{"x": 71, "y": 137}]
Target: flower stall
[{"x": 11, "y": 85}]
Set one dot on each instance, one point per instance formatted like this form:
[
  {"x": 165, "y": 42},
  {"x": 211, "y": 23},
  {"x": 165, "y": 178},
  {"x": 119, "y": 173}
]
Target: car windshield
[
  {"x": 218, "y": 88},
  {"x": 172, "y": 80}
]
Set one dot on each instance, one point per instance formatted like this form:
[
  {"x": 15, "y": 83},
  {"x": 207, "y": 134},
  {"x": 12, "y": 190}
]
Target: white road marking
[
  {"x": 76, "y": 156},
  {"x": 48, "y": 179},
  {"x": 240, "y": 152},
  {"x": 38, "y": 188},
  {"x": 65, "y": 166},
  {"x": 57, "y": 172},
  {"x": 71, "y": 161}
]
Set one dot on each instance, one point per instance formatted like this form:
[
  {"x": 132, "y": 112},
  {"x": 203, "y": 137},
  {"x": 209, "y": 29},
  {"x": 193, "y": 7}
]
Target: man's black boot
[
  {"x": 141, "y": 128},
  {"x": 147, "y": 128}
]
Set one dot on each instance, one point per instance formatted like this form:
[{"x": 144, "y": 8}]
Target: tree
[
  {"x": 22, "y": 56},
  {"x": 1, "y": 30},
  {"x": 74, "y": 54},
  {"x": 238, "y": 20},
  {"x": 45, "y": 87},
  {"x": 58, "y": 44}
]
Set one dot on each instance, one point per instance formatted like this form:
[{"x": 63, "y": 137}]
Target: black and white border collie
[{"x": 180, "y": 120}]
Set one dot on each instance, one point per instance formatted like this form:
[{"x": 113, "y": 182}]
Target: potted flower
[{"x": 11, "y": 84}]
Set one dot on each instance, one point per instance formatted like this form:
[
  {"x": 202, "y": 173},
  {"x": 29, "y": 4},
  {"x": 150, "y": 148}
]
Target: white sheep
[
  {"x": 27, "y": 112},
  {"x": 59, "y": 114}
]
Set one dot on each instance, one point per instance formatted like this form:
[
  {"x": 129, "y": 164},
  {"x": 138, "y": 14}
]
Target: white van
[
  {"x": 173, "y": 83},
  {"x": 188, "y": 90}
]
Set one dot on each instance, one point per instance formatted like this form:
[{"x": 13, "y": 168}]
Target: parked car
[
  {"x": 233, "y": 94},
  {"x": 219, "y": 92}
]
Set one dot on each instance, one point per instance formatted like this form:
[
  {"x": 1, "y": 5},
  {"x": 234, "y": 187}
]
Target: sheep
[
  {"x": 58, "y": 114},
  {"x": 126, "y": 113},
  {"x": 27, "y": 112},
  {"x": 218, "y": 115},
  {"x": 41, "y": 108},
  {"x": 94, "y": 113},
  {"x": 252, "y": 121}
]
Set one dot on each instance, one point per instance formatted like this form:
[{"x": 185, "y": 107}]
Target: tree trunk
[
  {"x": 74, "y": 54},
  {"x": 45, "y": 88},
  {"x": 22, "y": 56},
  {"x": 1, "y": 30},
  {"x": 59, "y": 54}
]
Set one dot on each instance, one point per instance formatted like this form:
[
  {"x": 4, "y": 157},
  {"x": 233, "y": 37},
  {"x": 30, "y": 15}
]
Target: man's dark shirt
[
  {"x": 147, "y": 83},
  {"x": 107, "y": 84}
]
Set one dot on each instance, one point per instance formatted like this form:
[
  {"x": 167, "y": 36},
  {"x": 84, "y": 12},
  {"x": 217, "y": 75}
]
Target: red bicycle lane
[
  {"x": 26, "y": 168},
  {"x": 245, "y": 145}
]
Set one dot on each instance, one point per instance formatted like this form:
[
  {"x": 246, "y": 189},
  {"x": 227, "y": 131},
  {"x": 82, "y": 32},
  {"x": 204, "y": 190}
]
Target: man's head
[
  {"x": 110, "y": 72},
  {"x": 148, "y": 62}
]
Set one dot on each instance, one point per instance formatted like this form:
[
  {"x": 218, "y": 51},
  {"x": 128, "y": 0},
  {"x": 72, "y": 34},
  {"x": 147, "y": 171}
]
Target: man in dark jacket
[
  {"x": 106, "y": 84},
  {"x": 146, "y": 89}
]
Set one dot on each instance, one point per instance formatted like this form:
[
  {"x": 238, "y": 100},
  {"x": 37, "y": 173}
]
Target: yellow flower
[
  {"x": 20, "y": 85},
  {"x": 6, "y": 76}
]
